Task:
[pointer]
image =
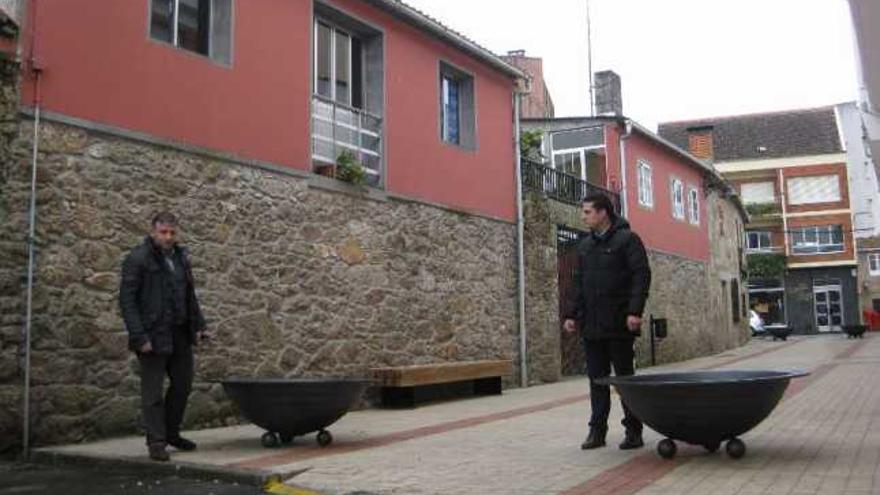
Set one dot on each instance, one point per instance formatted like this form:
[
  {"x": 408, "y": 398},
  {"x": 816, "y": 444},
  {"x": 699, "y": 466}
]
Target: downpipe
[
  {"x": 520, "y": 254},
  {"x": 32, "y": 220},
  {"x": 37, "y": 71}
]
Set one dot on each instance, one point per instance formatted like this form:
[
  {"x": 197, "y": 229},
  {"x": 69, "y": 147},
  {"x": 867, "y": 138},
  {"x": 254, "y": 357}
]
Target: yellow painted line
[{"x": 276, "y": 487}]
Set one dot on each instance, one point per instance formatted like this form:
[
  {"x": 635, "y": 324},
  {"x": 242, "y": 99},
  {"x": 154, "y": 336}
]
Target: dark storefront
[{"x": 820, "y": 300}]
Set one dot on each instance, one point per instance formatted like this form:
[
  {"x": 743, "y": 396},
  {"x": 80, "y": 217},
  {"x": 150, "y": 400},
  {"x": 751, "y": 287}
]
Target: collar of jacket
[{"x": 157, "y": 251}]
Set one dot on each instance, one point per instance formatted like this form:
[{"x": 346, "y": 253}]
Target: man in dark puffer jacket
[
  {"x": 162, "y": 315},
  {"x": 609, "y": 292}
]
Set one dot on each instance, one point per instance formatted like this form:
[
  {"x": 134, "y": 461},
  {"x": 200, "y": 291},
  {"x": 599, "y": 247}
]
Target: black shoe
[
  {"x": 158, "y": 452},
  {"x": 632, "y": 440},
  {"x": 181, "y": 443},
  {"x": 595, "y": 439}
]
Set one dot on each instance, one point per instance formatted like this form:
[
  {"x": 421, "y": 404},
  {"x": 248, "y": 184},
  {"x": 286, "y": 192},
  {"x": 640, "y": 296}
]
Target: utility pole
[{"x": 590, "y": 63}]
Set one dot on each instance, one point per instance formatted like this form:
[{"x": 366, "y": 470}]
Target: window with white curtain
[
  {"x": 757, "y": 192},
  {"x": 693, "y": 206},
  {"x": 646, "y": 185},
  {"x": 677, "y": 199},
  {"x": 816, "y": 189}
]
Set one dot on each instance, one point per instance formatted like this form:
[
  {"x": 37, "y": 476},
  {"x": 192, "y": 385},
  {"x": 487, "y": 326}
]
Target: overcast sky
[{"x": 678, "y": 59}]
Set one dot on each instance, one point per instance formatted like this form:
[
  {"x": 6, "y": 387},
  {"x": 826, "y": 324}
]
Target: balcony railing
[
  {"x": 560, "y": 186},
  {"x": 337, "y": 127}
]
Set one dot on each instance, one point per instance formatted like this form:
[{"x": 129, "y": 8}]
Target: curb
[{"x": 260, "y": 479}]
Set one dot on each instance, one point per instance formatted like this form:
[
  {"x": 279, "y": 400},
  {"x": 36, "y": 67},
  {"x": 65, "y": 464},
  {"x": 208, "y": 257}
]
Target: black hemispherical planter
[
  {"x": 855, "y": 331},
  {"x": 703, "y": 408},
  {"x": 286, "y": 408}
]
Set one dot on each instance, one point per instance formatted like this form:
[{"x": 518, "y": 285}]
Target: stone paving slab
[{"x": 819, "y": 440}]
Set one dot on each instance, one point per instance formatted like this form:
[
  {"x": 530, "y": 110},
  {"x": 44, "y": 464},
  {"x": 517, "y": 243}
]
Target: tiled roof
[
  {"x": 805, "y": 132},
  {"x": 427, "y": 23}
]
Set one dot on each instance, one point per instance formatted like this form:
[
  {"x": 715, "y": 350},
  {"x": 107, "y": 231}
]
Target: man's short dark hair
[
  {"x": 165, "y": 218},
  {"x": 600, "y": 201}
]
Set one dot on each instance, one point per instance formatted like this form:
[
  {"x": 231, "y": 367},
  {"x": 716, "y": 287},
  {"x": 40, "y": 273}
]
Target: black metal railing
[{"x": 561, "y": 186}]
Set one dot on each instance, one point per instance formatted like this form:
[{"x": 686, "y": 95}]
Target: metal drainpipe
[
  {"x": 37, "y": 70},
  {"x": 520, "y": 254},
  {"x": 622, "y": 139}
]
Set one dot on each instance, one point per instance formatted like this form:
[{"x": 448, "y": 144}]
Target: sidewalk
[{"x": 821, "y": 439}]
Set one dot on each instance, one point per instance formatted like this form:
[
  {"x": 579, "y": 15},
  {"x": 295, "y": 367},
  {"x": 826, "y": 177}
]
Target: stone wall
[
  {"x": 541, "y": 217},
  {"x": 13, "y": 257},
  {"x": 299, "y": 276}
]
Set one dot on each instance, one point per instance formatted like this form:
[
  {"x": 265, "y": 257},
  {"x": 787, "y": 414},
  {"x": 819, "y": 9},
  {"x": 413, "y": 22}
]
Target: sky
[{"x": 677, "y": 59}]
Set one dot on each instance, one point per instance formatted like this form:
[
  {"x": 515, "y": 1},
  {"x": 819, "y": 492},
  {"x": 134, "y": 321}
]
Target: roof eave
[{"x": 421, "y": 21}]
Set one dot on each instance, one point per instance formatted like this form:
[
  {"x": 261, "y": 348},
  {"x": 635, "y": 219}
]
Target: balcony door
[{"x": 347, "y": 101}]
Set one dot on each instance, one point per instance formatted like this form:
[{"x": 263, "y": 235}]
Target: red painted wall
[
  {"x": 657, "y": 227},
  {"x": 420, "y": 164},
  {"x": 101, "y": 65}
]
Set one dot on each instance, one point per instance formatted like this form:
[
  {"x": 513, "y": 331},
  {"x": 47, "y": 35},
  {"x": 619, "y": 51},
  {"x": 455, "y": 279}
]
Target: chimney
[
  {"x": 700, "y": 142},
  {"x": 607, "y": 91}
]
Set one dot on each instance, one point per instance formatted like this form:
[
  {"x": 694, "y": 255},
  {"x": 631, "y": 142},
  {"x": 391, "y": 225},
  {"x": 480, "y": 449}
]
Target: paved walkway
[{"x": 824, "y": 438}]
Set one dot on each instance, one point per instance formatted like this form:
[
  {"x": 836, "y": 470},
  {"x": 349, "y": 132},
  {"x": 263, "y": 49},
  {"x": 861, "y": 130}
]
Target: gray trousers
[{"x": 162, "y": 414}]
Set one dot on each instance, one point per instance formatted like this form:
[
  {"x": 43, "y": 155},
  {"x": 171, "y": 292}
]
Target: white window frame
[
  {"x": 874, "y": 264},
  {"x": 581, "y": 152},
  {"x": 758, "y": 235},
  {"x": 676, "y": 188},
  {"x": 693, "y": 205},
  {"x": 818, "y": 230},
  {"x": 645, "y": 183}
]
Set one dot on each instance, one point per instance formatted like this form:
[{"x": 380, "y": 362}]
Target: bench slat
[{"x": 423, "y": 374}]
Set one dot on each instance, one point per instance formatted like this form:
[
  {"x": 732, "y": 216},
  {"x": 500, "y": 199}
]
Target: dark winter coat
[
  {"x": 146, "y": 298},
  {"x": 611, "y": 282}
]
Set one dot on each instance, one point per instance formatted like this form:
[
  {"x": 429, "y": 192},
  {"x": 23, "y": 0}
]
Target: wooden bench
[{"x": 407, "y": 386}]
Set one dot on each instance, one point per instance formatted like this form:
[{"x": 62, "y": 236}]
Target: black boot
[
  {"x": 595, "y": 439},
  {"x": 158, "y": 452},
  {"x": 180, "y": 443},
  {"x": 632, "y": 440}
]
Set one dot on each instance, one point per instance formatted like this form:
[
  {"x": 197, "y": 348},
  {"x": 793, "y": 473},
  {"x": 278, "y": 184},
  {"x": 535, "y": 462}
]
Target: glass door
[{"x": 828, "y": 306}]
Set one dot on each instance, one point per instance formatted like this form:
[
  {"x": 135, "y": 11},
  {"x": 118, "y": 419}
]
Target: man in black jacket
[
  {"x": 610, "y": 288},
  {"x": 162, "y": 315}
]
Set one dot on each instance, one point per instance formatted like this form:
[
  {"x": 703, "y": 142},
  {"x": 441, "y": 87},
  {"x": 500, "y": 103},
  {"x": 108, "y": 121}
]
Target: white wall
[{"x": 863, "y": 186}]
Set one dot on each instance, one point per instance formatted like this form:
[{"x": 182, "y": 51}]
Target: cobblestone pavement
[{"x": 822, "y": 438}]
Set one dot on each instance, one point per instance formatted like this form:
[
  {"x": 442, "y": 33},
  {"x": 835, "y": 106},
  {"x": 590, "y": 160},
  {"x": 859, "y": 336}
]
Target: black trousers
[
  {"x": 162, "y": 414},
  {"x": 601, "y": 355}
]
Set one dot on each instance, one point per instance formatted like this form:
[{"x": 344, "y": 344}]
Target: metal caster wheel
[
  {"x": 324, "y": 438},
  {"x": 735, "y": 448},
  {"x": 269, "y": 440},
  {"x": 666, "y": 448},
  {"x": 286, "y": 438}
]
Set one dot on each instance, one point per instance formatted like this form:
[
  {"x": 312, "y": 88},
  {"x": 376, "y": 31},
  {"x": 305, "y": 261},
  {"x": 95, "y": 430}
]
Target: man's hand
[
  {"x": 634, "y": 323},
  {"x": 569, "y": 326},
  {"x": 146, "y": 348}
]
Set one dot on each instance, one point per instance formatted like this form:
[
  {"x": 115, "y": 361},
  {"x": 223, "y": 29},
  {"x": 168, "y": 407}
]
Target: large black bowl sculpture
[
  {"x": 286, "y": 408},
  {"x": 703, "y": 407}
]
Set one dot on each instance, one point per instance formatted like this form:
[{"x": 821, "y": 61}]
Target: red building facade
[{"x": 246, "y": 79}]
